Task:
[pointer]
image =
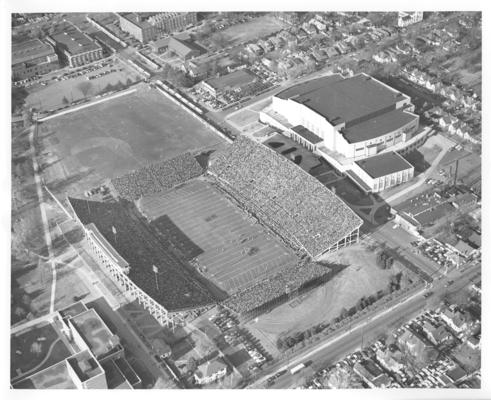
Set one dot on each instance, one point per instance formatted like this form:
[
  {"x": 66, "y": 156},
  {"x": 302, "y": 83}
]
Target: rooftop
[
  {"x": 378, "y": 126},
  {"x": 73, "y": 310},
  {"x": 75, "y": 41},
  {"x": 84, "y": 365},
  {"x": 341, "y": 99},
  {"x": 30, "y": 50},
  {"x": 210, "y": 368},
  {"x": 234, "y": 79},
  {"x": 384, "y": 164},
  {"x": 54, "y": 377},
  {"x": 182, "y": 47},
  {"x": 94, "y": 332},
  {"x": 138, "y": 19}
]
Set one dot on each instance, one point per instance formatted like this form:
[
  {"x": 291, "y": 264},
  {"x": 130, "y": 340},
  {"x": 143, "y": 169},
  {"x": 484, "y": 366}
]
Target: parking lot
[{"x": 71, "y": 86}]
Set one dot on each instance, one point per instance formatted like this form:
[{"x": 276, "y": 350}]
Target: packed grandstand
[
  {"x": 157, "y": 177},
  {"x": 288, "y": 280},
  {"x": 177, "y": 288},
  {"x": 289, "y": 200}
]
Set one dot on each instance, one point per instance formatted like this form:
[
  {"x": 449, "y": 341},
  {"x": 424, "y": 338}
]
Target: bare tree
[{"x": 85, "y": 87}]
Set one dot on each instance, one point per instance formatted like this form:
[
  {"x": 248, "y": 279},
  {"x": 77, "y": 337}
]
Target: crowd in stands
[
  {"x": 176, "y": 288},
  {"x": 292, "y": 202},
  {"x": 289, "y": 279},
  {"x": 157, "y": 177}
]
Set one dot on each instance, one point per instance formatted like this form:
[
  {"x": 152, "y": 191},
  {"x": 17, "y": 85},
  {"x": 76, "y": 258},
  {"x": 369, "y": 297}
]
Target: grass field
[
  {"x": 236, "y": 251},
  {"x": 362, "y": 277},
  {"x": 256, "y": 28},
  {"x": 114, "y": 137},
  {"x": 36, "y": 349},
  {"x": 51, "y": 97}
]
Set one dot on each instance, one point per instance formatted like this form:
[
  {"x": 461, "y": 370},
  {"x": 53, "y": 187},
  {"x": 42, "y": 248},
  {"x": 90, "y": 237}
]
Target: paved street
[{"x": 347, "y": 342}]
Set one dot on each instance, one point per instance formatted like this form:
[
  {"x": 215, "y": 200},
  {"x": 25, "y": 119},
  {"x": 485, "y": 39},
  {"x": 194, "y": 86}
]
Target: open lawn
[
  {"x": 362, "y": 277},
  {"x": 254, "y": 29},
  {"x": 243, "y": 118},
  {"x": 235, "y": 251},
  {"x": 50, "y": 97},
  {"x": 112, "y": 138},
  {"x": 469, "y": 168}
]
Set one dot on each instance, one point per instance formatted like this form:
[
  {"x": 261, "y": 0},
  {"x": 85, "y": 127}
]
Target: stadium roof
[
  {"x": 320, "y": 218},
  {"x": 341, "y": 99},
  {"x": 384, "y": 164},
  {"x": 75, "y": 42},
  {"x": 378, "y": 126},
  {"x": 107, "y": 246},
  {"x": 309, "y": 136},
  {"x": 30, "y": 50},
  {"x": 234, "y": 79}
]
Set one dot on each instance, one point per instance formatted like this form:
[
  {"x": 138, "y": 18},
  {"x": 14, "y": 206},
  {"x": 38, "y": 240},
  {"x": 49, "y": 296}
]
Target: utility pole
[{"x": 156, "y": 271}]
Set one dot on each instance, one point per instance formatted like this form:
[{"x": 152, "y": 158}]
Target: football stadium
[{"x": 244, "y": 232}]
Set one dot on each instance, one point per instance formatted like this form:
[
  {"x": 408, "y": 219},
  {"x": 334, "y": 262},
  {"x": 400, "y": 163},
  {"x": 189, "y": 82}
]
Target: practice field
[
  {"x": 361, "y": 277},
  {"x": 236, "y": 251},
  {"x": 256, "y": 28},
  {"x": 112, "y": 138}
]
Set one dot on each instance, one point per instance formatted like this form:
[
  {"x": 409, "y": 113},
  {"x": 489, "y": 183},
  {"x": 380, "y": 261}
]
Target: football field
[{"x": 235, "y": 250}]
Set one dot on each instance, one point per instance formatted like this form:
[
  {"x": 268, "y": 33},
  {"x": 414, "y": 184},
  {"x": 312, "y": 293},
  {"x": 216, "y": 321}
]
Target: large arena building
[{"x": 347, "y": 120}]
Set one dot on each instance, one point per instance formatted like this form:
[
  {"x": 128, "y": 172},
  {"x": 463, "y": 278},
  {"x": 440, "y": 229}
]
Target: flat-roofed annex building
[
  {"x": 382, "y": 171},
  {"x": 33, "y": 57},
  {"x": 357, "y": 117},
  {"x": 76, "y": 48}
]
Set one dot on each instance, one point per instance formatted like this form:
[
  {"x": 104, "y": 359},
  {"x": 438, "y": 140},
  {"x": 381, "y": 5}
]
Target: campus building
[
  {"x": 148, "y": 26},
  {"x": 31, "y": 58},
  {"x": 184, "y": 49},
  {"x": 408, "y": 18},
  {"x": 346, "y": 120},
  {"x": 95, "y": 357},
  {"x": 237, "y": 80},
  {"x": 381, "y": 172},
  {"x": 76, "y": 48}
]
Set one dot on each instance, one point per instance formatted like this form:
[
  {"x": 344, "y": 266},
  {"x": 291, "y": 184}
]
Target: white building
[
  {"x": 210, "y": 372},
  {"x": 406, "y": 18},
  {"x": 346, "y": 120},
  {"x": 381, "y": 172}
]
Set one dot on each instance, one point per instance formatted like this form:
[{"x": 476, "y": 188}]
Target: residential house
[
  {"x": 474, "y": 343},
  {"x": 372, "y": 374},
  {"x": 389, "y": 361},
  {"x": 454, "y": 319},
  {"x": 210, "y": 372},
  {"x": 437, "y": 334}
]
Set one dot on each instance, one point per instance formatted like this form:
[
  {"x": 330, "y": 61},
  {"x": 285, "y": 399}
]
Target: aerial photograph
[{"x": 245, "y": 200}]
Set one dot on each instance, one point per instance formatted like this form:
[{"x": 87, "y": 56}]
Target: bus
[{"x": 297, "y": 368}]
